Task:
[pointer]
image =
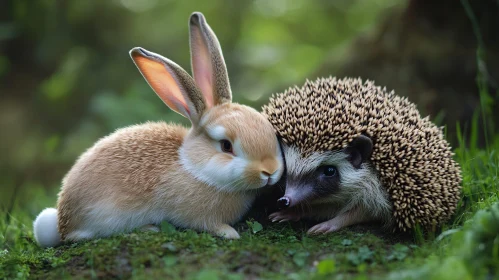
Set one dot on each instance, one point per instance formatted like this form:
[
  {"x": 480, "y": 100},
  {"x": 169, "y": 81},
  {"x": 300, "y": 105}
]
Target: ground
[
  {"x": 269, "y": 251},
  {"x": 274, "y": 251}
]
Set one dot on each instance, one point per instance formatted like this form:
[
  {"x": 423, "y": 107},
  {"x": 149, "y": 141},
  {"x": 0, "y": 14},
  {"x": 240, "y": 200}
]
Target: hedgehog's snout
[
  {"x": 295, "y": 194},
  {"x": 283, "y": 202}
]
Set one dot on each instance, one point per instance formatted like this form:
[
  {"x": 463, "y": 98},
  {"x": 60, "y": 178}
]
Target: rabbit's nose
[
  {"x": 269, "y": 173},
  {"x": 269, "y": 166},
  {"x": 266, "y": 174}
]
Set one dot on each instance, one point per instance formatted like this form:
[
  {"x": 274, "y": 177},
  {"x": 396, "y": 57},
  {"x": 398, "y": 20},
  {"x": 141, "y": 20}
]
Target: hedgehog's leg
[
  {"x": 351, "y": 217},
  {"x": 290, "y": 214}
]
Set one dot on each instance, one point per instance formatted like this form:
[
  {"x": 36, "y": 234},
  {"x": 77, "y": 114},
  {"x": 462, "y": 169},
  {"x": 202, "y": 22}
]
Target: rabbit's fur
[{"x": 144, "y": 174}]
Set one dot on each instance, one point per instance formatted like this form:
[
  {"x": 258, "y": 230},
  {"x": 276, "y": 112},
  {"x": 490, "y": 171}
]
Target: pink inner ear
[
  {"x": 163, "y": 83},
  {"x": 208, "y": 87},
  {"x": 202, "y": 67}
]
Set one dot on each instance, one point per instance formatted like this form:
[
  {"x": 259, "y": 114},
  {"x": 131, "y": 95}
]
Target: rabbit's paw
[
  {"x": 227, "y": 232},
  {"x": 150, "y": 228}
]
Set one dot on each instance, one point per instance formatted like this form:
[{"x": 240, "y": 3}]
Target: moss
[{"x": 276, "y": 250}]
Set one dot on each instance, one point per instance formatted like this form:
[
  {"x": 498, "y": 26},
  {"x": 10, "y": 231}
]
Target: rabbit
[{"x": 203, "y": 178}]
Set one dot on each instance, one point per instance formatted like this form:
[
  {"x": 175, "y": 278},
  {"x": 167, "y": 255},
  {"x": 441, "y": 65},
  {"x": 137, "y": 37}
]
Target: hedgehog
[{"x": 357, "y": 153}]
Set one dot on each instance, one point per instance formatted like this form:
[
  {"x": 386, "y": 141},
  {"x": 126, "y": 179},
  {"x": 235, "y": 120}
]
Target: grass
[
  {"x": 277, "y": 251},
  {"x": 273, "y": 251}
]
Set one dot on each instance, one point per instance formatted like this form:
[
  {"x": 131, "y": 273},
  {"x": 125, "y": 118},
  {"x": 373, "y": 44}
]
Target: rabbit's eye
[{"x": 226, "y": 146}]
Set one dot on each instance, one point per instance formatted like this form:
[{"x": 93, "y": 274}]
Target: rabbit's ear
[
  {"x": 208, "y": 65},
  {"x": 171, "y": 83}
]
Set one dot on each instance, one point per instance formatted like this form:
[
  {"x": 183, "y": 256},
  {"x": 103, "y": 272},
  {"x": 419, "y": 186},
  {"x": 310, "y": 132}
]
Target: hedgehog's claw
[
  {"x": 284, "y": 216},
  {"x": 354, "y": 216},
  {"x": 323, "y": 228}
]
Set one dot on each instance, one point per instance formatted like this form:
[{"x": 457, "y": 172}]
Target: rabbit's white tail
[{"x": 45, "y": 228}]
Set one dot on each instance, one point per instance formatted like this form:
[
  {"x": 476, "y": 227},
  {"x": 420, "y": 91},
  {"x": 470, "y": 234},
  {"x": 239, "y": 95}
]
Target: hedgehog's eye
[
  {"x": 226, "y": 146},
  {"x": 330, "y": 170}
]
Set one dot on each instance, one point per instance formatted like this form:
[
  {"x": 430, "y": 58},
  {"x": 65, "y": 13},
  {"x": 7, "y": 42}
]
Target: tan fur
[
  {"x": 125, "y": 166},
  {"x": 138, "y": 167}
]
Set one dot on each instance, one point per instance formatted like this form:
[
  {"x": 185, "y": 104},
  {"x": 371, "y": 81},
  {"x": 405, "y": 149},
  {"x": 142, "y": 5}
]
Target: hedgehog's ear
[{"x": 359, "y": 150}]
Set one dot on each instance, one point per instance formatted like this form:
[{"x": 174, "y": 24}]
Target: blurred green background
[{"x": 66, "y": 78}]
